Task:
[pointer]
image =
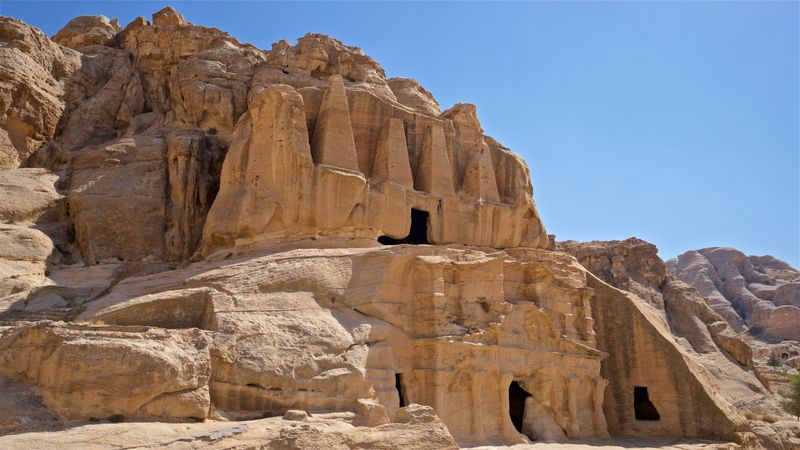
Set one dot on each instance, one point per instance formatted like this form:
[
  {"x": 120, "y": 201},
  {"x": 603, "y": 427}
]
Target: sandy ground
[
  {"x": 255, "y": 433},
  {"x": 622, "y": 444}
]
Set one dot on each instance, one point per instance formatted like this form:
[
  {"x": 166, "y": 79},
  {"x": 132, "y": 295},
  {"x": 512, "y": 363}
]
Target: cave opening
[
  {"x": 516, "y": 404},
  {"x": 643, "y": 408},
  {"x": 398, "y": 384},
  {"x": 417, "y": 234}
]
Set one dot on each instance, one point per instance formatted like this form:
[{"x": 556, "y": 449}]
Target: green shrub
[
  {"x": 774, "y": 361},
  {"x": 116, "y": 418},
  {"x": 792, "y": 402}
]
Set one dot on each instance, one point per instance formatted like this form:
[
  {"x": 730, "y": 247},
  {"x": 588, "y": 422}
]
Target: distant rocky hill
[
  {"x": 245, "y": 248},
  {"x": 760, "y": 293}
]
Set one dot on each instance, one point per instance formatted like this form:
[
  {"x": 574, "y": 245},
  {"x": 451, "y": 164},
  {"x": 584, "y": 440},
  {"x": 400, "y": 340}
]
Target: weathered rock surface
[
  {"x": 30, "y": 233},
  {"x": 214, "y": 230},
  {"x": 87, "y": 30},
  {"x": 145, "y": 372},
  {"x": 761, "y": 293},
  {"x": 318, "y": 329},
  {"x": 315, "y": 433},
  {"x": 34, "y": 73},
  {"x": 725, "y": 356}
]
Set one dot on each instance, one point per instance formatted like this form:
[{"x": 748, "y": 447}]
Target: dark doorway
[
  {"x": 642, "y": 406},
  {"x": 418, "y": 234},
  {"x": 516, "y": 404},
  {"x": 398, "y": 384}
]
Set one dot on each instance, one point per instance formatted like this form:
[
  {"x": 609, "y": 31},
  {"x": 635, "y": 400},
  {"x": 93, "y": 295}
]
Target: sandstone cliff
[
  {"x": 761, "y": 293},
  {"x": 195, "y": 229}
]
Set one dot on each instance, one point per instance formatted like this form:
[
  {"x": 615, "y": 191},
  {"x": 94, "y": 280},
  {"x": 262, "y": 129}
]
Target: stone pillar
[
  {"x": 479, "y": 179},
  {"x": 391, "y": 158},
  {"x": 441, "y": 380},
  {"x": 573, "y": 384},
  {"x": 600, "y": 425},
  {"x": 477, "y": 407},
  {"x": 333, "y": 142},
  {"x": 507, "y": 427},
  {"x": 429, "y": 309},
  {"x": 434, "y": 171}
]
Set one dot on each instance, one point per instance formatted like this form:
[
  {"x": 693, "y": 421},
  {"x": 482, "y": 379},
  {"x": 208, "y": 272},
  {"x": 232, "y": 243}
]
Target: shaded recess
[
  {"x": 418, "y": 234},
  {"x": 642, "y": 406},
  {"x": 516, "y": 404},
  {"x": 398, "y": 384}
]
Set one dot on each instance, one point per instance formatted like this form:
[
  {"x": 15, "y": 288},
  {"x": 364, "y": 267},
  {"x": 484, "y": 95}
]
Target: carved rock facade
[{"x": 212, "y": 248}]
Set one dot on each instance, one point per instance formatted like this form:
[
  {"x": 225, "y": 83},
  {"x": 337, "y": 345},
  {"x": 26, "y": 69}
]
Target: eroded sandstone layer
[
  {"x": 196, "y": 229},
  {"x": 759, "y": 292}
]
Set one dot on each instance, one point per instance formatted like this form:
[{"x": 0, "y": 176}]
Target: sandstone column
[
  {"x": 434, "y": 172},
  {"x": 505, "y": 380},
  {"x": 600, "y": 426},
  {"x": 333, "y": 142},
  {"x": 573, "y": 384},
  {"x": 391, "y": 160},
  {"x": 478, "y": 378},
  {"x": 479, "y": 179}
]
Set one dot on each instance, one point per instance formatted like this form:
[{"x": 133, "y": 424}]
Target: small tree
[
  {"x": 774, "y": 361},
  {"x": 792, "y": 404}
]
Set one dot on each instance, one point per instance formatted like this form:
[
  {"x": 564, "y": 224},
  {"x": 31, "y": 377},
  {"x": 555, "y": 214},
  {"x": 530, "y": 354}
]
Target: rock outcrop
[
  {"x": 208, "y": 231},
  {"x": 758, "y": 293},
  {"x": 35, "y": 72},
  {"x": 718, "y": 355}
]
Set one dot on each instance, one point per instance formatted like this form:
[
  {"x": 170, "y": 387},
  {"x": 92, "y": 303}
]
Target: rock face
[
  {"x": 760, "y": 293},
  {"x": 208, "y": 231},
  {"x": 318, "y": 329},
  {"x": 35, "y": 72},
  {"x": 84, "y": 31},
  {"x": 163, "y": 374},
  {"x": 719, "y": 357},
  {"x": 348, "y": 159}
]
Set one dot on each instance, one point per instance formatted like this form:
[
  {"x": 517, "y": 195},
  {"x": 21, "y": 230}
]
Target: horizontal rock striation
[{"x": 760, "y": 293}]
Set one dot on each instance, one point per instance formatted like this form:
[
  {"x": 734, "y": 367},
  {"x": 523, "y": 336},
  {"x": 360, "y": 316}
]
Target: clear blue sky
[{"x": 676, "y": 122}]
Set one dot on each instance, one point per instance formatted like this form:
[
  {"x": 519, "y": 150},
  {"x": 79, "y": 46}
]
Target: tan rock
[
  {"x": 190, "y": 157},
  {"x": 763, "y": 292},
  {"x": 295, "y": 414},
  {"x": 30, "y": 232},
  {"x": 270, "y": 139},
  {"x": 632, "y": 265},
  {"x": 433, "y": 169},
  {"x": 479, "y": 180},
  {"x": 103, "y": 97},
  {"x": 83, "y": 31},
  {"x": 414, "y": 413},
  {"x": 333, "y": 136},
  {"x": 411, "y": 94},
  {"x": 370, "y": 413},
  {"x": 716, "y": 353},
  {"x": 158, "y": 375},
  {"x": 368, "y": 341},
  {"x": 220, "y": 257},
  {"x": 320, "y": 55},
  {"x": 26, "y": 195},
  {"x": 323, "y": 433},
  {"x": 34, "y": 72},
  {"x": 391, "y": 158},
  {"x": 117, "y": 199},
  {"x": 168, "y": 17},
  {"x": 325, "y": 200}
]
